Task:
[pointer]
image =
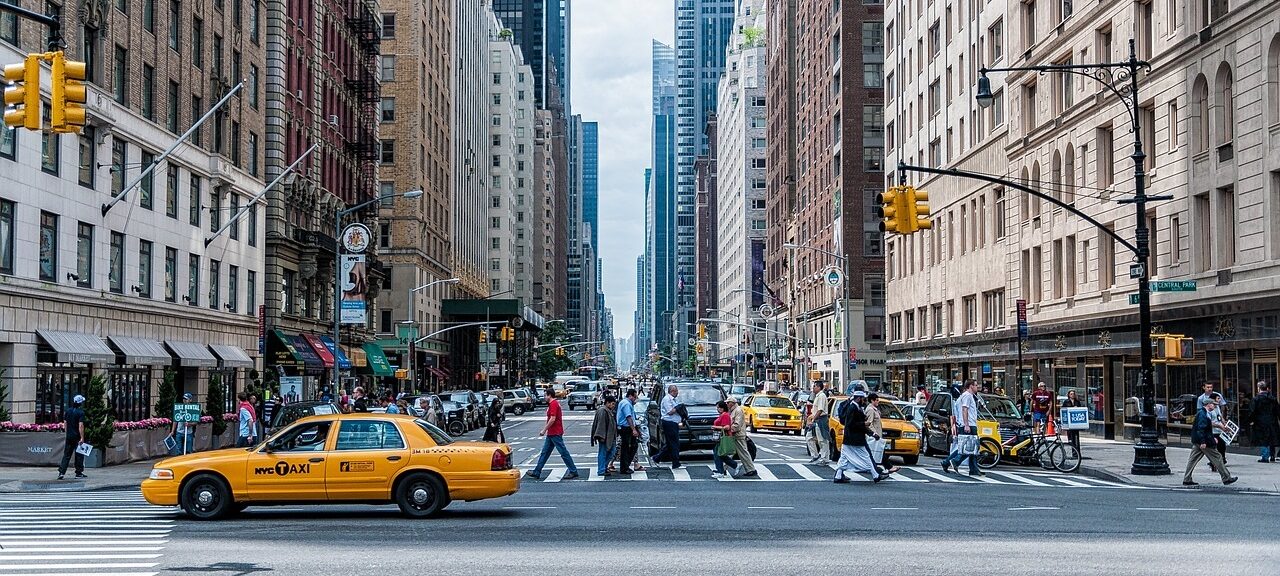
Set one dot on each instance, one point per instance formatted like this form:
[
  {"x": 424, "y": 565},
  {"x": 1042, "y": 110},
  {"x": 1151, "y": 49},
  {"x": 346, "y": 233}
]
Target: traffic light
[
  {"x": 892, "y": 210},
  {"x": 24, "y": 95},
  {"x": 69, "y": 94},
  {"x": 1172, "y": 347},
  {"x": 484, "y": 336},
  {"x": 702, "y": 331},
  {"x": 560, "y": 351},
  {"x": 918, "y": 210}
]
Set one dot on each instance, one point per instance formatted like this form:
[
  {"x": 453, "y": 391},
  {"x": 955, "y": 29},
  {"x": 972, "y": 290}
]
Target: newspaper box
[{"x": 1074, "y": 418}]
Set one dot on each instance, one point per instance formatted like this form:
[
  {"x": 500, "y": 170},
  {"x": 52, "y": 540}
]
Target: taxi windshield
[
  {"x": 1001, "y": 407},
  {"x": 890, "y": 412},
  {"x": 771, "y": 402},
  {"x": 440, "y": 437}
]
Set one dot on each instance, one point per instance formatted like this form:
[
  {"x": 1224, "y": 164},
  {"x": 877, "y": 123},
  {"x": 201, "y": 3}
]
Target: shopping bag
[
  {"x": 876, "y": 447},
  {"x": 969, "y": 444},
  {"x": 727, "y": 446},
  {"x": 84, "y": 449}
]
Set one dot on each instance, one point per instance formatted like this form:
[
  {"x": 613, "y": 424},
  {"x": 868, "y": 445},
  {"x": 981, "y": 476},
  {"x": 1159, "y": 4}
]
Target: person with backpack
[
  {"x": 493, "y": 424},
  {"x": 855, "y": 456}
]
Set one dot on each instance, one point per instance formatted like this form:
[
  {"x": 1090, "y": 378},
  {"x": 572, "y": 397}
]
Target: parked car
[
  {"x": 997, "y": 418},
  {"x": 468, "y": 400},
  {"x": 699, "y": 400},
  {"x": 517, "y": 401},
  {"x": 584, "y": 393},
  {"x": 454, "y": 417}
]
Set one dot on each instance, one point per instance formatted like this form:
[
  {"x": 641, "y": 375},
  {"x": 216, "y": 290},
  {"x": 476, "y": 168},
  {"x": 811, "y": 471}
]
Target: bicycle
[{"x": 1051, "y": 453}]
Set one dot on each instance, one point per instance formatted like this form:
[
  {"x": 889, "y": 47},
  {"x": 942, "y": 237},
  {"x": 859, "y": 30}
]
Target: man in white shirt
[
  {"x": 820, "y": 426},
  {"x": 965, "y": 430},
  {"x": 670, "y": 417}
]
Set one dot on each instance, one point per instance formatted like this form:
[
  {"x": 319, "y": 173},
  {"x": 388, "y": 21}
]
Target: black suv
[
  {"x": 470, "y": 402},
  {"x": 699, "y": 400},
  {"x": 937, "y": 419}
]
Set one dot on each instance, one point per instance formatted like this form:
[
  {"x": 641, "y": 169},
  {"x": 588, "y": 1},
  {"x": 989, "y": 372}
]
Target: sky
[{"x": 610, "y": 70}]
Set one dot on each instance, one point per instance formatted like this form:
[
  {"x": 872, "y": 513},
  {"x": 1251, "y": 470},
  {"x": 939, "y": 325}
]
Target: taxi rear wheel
[
  {"x": 206, "y": 497},
  {"x": 421, "y": 496}
]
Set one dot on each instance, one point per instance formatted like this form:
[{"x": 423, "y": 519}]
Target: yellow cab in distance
[
  {"x": 772, "y": 411},
  {"x": 338, "y": 458},
  {"x": 901, "y": 437}
]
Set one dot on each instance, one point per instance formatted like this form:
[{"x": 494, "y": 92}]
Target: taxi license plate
[{"x": 779, "y": 422}]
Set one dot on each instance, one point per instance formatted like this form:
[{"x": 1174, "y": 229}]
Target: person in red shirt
[
  {"x": 553, "y": 431},
  {"x": 1041, "y": 404}
]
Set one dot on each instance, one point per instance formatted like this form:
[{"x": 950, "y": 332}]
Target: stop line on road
[{"x": 89, "y": 533}]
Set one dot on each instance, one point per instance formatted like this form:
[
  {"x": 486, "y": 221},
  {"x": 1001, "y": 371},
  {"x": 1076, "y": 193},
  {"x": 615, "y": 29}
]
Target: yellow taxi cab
[
  {"x": 902, "y": 438},
  {"x": 336, "y": 458},
  {"x": 771, "y": 411}
]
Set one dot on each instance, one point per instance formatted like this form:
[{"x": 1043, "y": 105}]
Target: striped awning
[
  {"x": 231, "y": 356},
  {"x": 191, "y": 354},
  {"x": 141, "y": 351},
  {"x": 77, "y": 347}
]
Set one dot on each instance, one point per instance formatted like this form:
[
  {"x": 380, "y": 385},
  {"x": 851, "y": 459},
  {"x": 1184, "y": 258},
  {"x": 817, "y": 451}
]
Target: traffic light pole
[{"x": 55, "y": 25}]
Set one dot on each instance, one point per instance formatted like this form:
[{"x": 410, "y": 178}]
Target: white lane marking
[
  {"x": 681, "y": 474},
  {"x": 805, "y": 472},
  {"x": 94, "y": 565},
  {"x": 72, "y": 532},
  {"x": 653, "y": 507},
  {"x": 528, "y": 507},
  {"x": 1022, "y": 508},
  {"x": 103, "y": 574},
  {"x": 556, "y": 474},
  {"x": 1168, "y": 509},
  {"x": 44, "y": 541},
  {"x": 895, "y": 508},
  {"x": 771, "y": 507},
  {"x": 78, "y": 548},
  {"x": 90, "y": 523},
  {"x": 937, "y": 476},
  {"x": 1019, "y": 478},
  {"x": 1071, "y": 483},
  {"x": 9, "y": 557}
]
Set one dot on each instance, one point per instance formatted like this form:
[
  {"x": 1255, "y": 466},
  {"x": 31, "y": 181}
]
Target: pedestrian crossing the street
[
  {"x": 88, "y": 533},
  {"x": 804, "y": 472}
]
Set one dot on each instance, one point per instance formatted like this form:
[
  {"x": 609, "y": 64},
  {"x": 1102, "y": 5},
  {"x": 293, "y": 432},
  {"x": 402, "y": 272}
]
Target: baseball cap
[
  {"x": 731, "y": 399},
  {"x": 186, "y": 396},
  {"x": 78, "y": 399},
  {"x": 859, "y": 394}
]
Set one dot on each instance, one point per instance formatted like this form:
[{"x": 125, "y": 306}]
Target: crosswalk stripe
[
  {"x": 1018, "y": 478},
  {"x": 556, "y": 474},
  {"x": 74, "y": 532},
  {"x": 11, "y": 558},
  {"x": 936, "y": 476},
  {"x": 766, "y": 474},
  {"x": 80, "y": 540},
  {"x": 78, "y": 548},
  {"x": 680, "y": 474},
  {"x": 81, "y": 566},
  {"x": 1071, "y": 483},
  {"x": 805, "y": 472}
]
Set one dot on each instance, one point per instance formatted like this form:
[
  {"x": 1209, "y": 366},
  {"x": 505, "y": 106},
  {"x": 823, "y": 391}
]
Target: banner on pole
[{"x": 354, "y": 281}]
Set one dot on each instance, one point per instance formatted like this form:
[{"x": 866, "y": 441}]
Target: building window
[
  {"x": 1028, "y": 24},
  {"x": 147, "y": 188},
  {"x": 6, "y": 236},
  {"x": 9, "y": 24},
  {"x": 88, "y": 156},
  {"x": 970, "y": 313},
  {"x": 873, "y": 158},
  {"x": 115, "y": 274},
  {"x": 171, "y": 122},
  {"x": 84, "y": 255},
  {"x": 149, "y": 15},
  {"x": 993, "y": 306},
  {"x": 253, "y": 224},
  {"x": 197, "y": 42},
  {"x": 235, "y": 143},
  {"x": 215, "y": 209},
  {"x": 175, "y": 26},
  {"x": 144, "y": 269},
  {"x": 48, "y": 246},
  {"x": 148, "y": 92},
  {"x": 253, "y": 86},
  {"x": 193, "y": 198},
  {"x": 8, "y": 138},
  {"x": 384, "y": 235},
  {"x": 995, "y": 38},
  {"x": 50, "y": 154},
  {"x": 388, "y": 151},
  {"x": 251, "y": 292},
  {"x": 120, "y": 76},
  {"x": 193, "y": 280},
  {"x": 232, "y": 212},
  {"x": 872, "y": 75},
  {"x": 170, "y": 275},
  {"x": 388, "y": 109},
  {"x": 253, "y": 154},
  {"x": 233, "y": 288},
  {"x": 287, "y": 283},
  {"x": 255, "y": 21},
  {"x": 197, "y": 110},
  {"x": 388, "y": 25},
  {"x": 388, "y": 68},
  {"x": 1106, "y": 167}
]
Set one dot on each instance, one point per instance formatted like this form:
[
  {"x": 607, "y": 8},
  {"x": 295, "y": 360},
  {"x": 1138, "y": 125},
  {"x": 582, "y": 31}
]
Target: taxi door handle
[
  {"x": 393, "y": 458},
  {"x": 316, "y": 460}
]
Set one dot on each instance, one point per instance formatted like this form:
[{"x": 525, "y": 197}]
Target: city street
[{"x": 1021, "y": 522}]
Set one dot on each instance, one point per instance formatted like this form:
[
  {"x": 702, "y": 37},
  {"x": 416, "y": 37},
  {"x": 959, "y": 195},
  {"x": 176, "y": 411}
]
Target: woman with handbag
[
  {"x": 727, "y": 446},
  {"x": 875, "y": 434}
]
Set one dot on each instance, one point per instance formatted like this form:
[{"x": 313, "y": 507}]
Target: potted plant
[
  {"x": 4, "y": 393},
  {"x": 99, "y": 422},
  {"x": 167, "y": 395},
  {"x": 214, "y": 406}
]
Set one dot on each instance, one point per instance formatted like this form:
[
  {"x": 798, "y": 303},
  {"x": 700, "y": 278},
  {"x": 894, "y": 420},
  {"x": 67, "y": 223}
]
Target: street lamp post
[
  {"x": 413, "y": 321},
  {"x": 338, "y": 215},
  {"x": 844, "y": 308},
  {"x": 1121, "y": 78}
]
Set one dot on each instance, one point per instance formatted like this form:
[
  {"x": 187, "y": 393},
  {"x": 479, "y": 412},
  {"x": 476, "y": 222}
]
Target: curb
[
  {"x": 1103, "y": 474},
  {"x": 62, "y": 487}
]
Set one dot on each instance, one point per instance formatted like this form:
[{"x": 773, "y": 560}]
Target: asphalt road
[{"x": 745, "y": 527}]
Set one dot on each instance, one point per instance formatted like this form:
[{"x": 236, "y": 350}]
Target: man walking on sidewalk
[
  {"x": 604, "y": 435},
  {"x": 553, "y": 430},
  {"x": 739, "y": 422},
  {"x": 1266, "y": 422},
  {"x": 670, "y": 427},
  {"x": 820, "y": 425},
  {"x": 1203, "y": 445},
  {"x": 74, "y": 419},
  {"x": 248, "y": 429},
  {"x": 628, "y": 433}
]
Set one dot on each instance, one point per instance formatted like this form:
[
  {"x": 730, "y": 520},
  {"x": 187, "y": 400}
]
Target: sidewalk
[
  {"x": 44, "y": 478},
  {"x": 1111, "y": 460}
]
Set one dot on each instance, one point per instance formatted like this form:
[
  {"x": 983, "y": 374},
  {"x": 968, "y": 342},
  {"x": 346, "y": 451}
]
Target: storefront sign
[
  {"x": 354, "y": 281},
  {"x": 262, "y": 329}
]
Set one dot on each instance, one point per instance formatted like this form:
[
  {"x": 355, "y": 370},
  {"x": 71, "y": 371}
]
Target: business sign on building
[{"x": 355, "y": 287}]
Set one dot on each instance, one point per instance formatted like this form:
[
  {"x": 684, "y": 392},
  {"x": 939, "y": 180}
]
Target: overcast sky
[{"x": 610, "y": 66}]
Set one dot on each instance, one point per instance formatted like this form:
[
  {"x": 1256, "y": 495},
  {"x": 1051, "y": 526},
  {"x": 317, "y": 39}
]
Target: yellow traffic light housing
[
  {"x": 484, "y": 336},
  {"x": 890, "y": 210},
  {"x": 702, "y": 331},
  {"x": 1172, "y": 347},
  {"x": 918, "y": 210},
  {"x": 24, "y": 95},
  {"x": 69, "y": 94}
]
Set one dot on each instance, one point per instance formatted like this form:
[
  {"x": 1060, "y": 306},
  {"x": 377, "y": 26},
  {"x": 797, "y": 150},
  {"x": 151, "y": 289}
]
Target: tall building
[
  {"x": 591, "y": 179},
  {"x": 470, "y": 142},
  {"x": 510, "y": 164},
  {"x": 541, "y": 29},
  {"x": 170, "y": 277},
  {"x": 740, "y": 170},
  {"x": 547, "y": 262},
  {"x": 641, "y": 338},
  {"x": 415, "y": 126},
  {"x": 660, "y": 203},
  {"x": 706, "y": 263},
  {"x": 837, "y": 146},
  {"x": 1204, "y": 110},
  {"x": 702, "y": 32}
]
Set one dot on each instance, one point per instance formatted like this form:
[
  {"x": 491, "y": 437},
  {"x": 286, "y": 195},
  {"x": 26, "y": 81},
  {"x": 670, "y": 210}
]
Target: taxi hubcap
[
  {"x": 205, "y": 498},
  {"x": 421, "y": 495}
]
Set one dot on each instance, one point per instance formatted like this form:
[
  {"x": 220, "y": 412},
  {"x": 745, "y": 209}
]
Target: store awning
[
  {"x": 307, "y": 354},
  {"x": 77, "y": 347},
  {"x": 191, "y": 354},
  {"x": 437, "y": 372},
  {"x": 231, "y": 356},
  {"x": 140, "y": 351},
  {"x": 378, "y": 364},
  {"x": 358, "y": 358},
  {"x": 322, "y": 351},
  {"x": 344, "y": 363}
]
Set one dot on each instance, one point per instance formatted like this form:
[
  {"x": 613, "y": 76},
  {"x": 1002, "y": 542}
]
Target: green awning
[{"x": 378, "y": 364}]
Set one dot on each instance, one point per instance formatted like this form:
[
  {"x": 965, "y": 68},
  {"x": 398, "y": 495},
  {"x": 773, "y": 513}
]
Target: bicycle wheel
[
  {"x": 1066, "y": 458},
  {"x": 1044, "y": 453},
  {"x": 988, "y": 453}
]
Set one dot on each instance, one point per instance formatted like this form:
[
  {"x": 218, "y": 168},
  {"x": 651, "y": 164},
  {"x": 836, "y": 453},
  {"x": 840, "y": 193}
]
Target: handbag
[
  {"x": 727, "y": 446},
  {"x": 968, "y": 444}
]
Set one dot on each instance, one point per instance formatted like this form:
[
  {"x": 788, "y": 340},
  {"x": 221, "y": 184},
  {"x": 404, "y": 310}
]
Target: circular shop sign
[
  {"x": 355, "y": 238},
  {"x": 832, "y": 276},
  {"x": 766, "y": 311}
]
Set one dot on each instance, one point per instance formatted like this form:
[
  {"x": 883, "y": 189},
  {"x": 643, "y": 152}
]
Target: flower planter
[{"x": 132, "y": 441}]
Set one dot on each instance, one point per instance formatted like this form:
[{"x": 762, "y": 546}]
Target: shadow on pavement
[{"x": 232, "y": 568}]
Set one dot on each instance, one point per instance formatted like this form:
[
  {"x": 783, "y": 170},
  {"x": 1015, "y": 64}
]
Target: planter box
[{"x": 45, "y": 448}]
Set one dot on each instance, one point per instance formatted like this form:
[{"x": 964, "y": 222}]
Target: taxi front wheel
[
  {"x": 421, "y": 496},
  {"x": 206, "y": 497}
]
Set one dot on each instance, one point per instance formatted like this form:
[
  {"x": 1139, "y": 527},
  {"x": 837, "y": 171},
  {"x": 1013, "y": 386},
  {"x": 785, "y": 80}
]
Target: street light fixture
[
  {"x": 338, "y": 216},
  {"x": 413, "y": 353},
  {"x": 984, "y": 96}
]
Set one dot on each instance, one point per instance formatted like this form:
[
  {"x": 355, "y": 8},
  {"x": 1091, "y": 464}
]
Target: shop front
[
  {"x": 293, "y": 358},
  {"x": 64, "y": 363},
  {"x": 379, "y": 369}
]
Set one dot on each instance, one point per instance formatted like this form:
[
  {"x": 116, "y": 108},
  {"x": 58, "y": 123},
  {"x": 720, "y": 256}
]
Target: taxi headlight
[
  {"x": 161, "y": 474},
  {"x": 912, "y": 435}
]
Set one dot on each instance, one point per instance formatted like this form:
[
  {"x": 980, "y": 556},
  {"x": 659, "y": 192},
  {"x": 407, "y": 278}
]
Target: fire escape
[{"x": 363, "y": 82}]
